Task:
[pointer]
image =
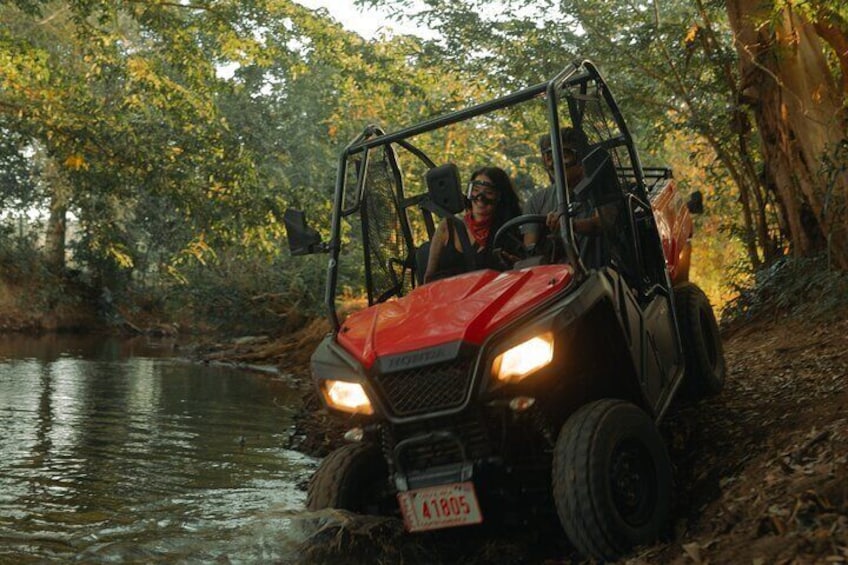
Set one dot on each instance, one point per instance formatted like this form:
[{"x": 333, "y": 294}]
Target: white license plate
[{"x": 442, "y": 506}]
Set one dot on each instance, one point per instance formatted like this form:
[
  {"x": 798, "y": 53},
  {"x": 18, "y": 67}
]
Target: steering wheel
[{"x": 506, "y": 233}]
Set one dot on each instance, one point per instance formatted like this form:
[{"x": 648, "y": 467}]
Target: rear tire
[
  {"x": 703, "y": 352},
  {"x": 353, "y": 477},
  {"x": 611, "y": 479}
]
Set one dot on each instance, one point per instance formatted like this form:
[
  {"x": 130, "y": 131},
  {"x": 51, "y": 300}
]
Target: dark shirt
[
  {"x": 453, "y": 262},
  {"x": 591, "y": 247}
]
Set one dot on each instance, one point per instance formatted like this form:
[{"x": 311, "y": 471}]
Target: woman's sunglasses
[{"x": 481, "y": 197}]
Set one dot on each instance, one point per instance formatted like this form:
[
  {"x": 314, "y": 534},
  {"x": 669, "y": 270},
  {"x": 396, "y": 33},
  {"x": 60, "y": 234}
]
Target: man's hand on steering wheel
[{"x": 519, "y": 250}]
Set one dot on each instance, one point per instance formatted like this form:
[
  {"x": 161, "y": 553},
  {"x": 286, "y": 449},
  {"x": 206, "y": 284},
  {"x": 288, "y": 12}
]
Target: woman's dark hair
[{"x": 508, "y": 205}]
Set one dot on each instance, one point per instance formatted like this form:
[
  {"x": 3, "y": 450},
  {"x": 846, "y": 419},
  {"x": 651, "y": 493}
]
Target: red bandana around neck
[{"x": 478, "y": 228}]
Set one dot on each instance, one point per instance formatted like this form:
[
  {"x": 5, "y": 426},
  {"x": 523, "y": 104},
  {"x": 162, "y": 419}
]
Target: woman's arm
[{"x": 437, "y": 244}]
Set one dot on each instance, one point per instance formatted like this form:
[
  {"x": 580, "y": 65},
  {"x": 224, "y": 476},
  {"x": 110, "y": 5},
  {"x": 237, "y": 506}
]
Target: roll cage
[{"x": 370, "y": 183}]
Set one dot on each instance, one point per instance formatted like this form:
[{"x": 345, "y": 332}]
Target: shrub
[
  {"x": 794, "y": 287},
  {"x": 246, "y": 294}
]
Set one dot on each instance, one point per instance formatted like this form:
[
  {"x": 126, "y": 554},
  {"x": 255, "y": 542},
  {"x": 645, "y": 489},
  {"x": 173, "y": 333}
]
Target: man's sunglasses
[
  {"x": 481, "y": 196},
  {"x": 569, "y": 156}
]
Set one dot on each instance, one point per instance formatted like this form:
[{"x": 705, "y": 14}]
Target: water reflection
[{"x": 113, "y": 452}]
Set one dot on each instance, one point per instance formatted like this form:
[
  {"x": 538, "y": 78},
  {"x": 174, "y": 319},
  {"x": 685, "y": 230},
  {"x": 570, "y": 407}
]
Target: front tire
[
  {"x": 353, "y": 477},
  {"x": 703, "y": 352},
  {"x": 611, "y": 479}
]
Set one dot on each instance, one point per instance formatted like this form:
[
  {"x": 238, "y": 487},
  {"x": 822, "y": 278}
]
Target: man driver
[{"x": 587, "y": 221}]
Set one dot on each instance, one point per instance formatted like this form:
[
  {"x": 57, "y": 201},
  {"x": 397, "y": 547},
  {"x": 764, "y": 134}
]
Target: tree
[
  {"x": 123, "y": 101},
  {"x": 790, "y": 81}
]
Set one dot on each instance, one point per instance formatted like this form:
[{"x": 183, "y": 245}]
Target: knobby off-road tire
[
  {"x": 703, "y": 352},
  {"x": 611, "y": 479},
  {"x": 351, "y": 478}
]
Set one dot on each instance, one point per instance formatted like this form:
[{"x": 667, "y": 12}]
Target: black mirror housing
[
  {"x": 303, "y": 240},
  {"x": 695, "y": 204},
  {"x": 444, "y": 188}
]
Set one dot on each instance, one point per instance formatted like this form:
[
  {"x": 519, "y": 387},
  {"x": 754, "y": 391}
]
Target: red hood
[{"x": 463, "y": 308}]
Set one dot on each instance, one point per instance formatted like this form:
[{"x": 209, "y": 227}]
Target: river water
[{"x": 115, "y": 451}]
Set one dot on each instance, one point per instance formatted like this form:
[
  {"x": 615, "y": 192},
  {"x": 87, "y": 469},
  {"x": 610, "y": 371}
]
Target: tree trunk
[
  {"x": 54, "y": 241},
  {"x": 797, "y": 103},
  {"x": 54, "y": 237}
]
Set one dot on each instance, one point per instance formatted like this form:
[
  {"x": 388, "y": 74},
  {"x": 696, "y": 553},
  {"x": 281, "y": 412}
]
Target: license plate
[{"x": 442, "y": 506}]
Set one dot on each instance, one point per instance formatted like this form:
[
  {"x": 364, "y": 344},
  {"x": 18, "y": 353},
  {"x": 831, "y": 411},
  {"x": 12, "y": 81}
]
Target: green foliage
[
  {"x": 169, "y": 167},
  {"x": 39, "y": 290},
  {"x": 19, "y": 257},
  {"x": 17, "y": 185},
  {"x": 667, "y": 65},
  {"x": 123, "y": 106}
]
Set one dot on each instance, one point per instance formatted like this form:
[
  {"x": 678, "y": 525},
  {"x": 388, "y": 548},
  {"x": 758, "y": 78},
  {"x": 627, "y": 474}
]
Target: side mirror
[
  {"x": 695, "y": 204},
  {"x": 444, "y": 188},
  {"x": 303, "y": 240}
]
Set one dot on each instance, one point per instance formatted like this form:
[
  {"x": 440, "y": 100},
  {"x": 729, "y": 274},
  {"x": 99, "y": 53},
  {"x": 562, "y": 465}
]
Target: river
[{"x": 116, "y": 451}]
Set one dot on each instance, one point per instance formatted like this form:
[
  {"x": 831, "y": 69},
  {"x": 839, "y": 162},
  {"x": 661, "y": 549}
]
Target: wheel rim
[{"x": 633, "y": 482}]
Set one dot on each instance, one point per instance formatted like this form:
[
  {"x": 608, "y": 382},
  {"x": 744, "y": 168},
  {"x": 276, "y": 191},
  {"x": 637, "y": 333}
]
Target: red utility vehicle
[{"x": 539, "y": 386}]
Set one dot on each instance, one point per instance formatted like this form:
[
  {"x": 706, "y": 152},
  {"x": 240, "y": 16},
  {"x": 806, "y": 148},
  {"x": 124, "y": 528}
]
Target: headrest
[{"x": 599, "y": 169}]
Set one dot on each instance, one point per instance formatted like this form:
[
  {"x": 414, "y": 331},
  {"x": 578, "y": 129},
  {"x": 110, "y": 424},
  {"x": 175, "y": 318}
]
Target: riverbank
[
  {"x": 27, "y": 308},
  {"x": 67, "y": 305}
]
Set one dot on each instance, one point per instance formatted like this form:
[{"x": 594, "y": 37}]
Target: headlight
[
  {"x": 525, "y": 358},
  {"x": 346, "y": 396}
]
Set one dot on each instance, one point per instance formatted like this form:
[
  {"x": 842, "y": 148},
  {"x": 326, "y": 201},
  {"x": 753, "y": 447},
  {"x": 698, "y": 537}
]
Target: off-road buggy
[{"x": 538, "y": 386}]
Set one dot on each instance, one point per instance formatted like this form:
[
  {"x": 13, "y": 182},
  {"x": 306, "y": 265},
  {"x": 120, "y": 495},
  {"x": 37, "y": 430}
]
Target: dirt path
[
  {"x": 761, "y": 471},
  {"x": 763, "y": 468}
]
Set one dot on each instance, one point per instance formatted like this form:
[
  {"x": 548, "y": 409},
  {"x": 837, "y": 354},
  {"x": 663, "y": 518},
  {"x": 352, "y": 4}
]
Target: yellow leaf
[
  {"x": 692, "y": 34},
  {"x": 119, "y": 254},
  {"x": 76, "y": 162}
]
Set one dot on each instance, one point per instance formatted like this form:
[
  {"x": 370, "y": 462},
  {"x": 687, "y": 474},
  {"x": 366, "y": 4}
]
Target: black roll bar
[{"x": 373, "y": 136}]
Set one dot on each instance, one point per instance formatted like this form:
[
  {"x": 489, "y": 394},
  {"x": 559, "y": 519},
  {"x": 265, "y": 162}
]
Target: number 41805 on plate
[{"x": 441, "y": 506}]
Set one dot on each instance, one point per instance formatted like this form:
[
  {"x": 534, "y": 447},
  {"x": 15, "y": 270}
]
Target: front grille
[
  {"x": 426, "y": 389},
  {"x": 469, "y": 430}
]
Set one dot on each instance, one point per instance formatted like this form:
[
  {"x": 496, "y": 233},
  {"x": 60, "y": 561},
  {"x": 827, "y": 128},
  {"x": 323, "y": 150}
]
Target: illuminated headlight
[
  {"x": 525, "y": 358},
  {"x": 346, "y": 396}
]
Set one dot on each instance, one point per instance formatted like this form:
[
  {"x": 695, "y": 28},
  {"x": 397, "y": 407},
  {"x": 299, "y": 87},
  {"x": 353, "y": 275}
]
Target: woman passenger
[{"x": 491, "y": 201}]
